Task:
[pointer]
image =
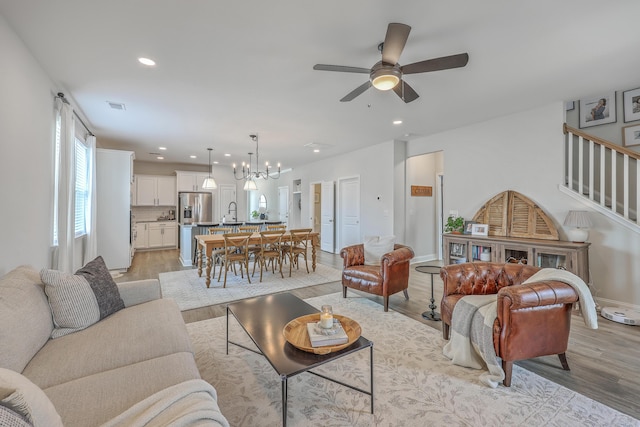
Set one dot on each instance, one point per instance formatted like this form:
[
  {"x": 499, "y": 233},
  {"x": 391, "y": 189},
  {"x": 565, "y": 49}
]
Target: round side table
[{"x": 431, "y": 270}]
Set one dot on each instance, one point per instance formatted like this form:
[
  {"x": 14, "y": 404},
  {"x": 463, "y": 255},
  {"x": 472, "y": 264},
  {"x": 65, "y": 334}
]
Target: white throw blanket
[
  {"x": 471, "y": 343},
  {"x": 587, "y": 304},
  {"x": 190, "y": 403}
]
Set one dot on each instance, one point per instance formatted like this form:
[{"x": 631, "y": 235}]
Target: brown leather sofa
[
  {"x": 533, "y": 319},
  {"x": 391, "y": 276}
]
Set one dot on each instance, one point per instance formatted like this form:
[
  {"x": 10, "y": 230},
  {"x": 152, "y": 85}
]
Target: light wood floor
[{"x": 605, "y": 363}]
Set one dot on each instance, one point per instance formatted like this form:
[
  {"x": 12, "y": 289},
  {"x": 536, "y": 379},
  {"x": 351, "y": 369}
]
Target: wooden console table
[{"x": 571, "y": 256}]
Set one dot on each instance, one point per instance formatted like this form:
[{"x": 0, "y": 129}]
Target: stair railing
[{"x": 605, "y": 173}]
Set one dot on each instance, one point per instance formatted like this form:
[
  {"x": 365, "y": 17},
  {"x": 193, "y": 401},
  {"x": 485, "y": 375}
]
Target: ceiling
[{"x": 229, "y": 69}]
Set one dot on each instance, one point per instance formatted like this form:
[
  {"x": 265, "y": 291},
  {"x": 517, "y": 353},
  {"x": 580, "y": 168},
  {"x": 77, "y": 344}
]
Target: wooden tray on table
[{"x": 295, "y": 332}]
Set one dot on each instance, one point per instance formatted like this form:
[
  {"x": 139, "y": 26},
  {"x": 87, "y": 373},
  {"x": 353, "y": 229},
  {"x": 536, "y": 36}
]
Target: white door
[
  {"x": 227, "y": 196},
  {"x": 349, "y": 215},
  {"x": 327, "y": 221},
  {"x": 283, "y": 204}
]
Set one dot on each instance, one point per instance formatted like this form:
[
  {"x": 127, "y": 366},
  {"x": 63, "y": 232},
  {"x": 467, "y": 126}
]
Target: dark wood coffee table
[{"x": 264, "y": 318}]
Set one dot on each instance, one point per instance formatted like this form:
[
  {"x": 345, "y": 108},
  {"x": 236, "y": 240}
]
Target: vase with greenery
[
  {"x": 455, "y": 224},
  {"x": 255, "y": 214}
]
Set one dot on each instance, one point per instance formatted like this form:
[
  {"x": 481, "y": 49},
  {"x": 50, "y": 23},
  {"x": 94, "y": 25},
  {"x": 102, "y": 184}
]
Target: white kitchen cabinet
[
  {"x": 191, "y": 181},
  {"x": 155, "y": 190},
  {"x": 141, "y": 240},
  {"x": 162, "y": 234}
]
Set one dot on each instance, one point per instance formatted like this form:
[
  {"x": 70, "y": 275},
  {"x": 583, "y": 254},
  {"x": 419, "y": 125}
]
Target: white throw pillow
[
  {"x": 24, "y": 397},
  {"x": 375, "y": 247}
]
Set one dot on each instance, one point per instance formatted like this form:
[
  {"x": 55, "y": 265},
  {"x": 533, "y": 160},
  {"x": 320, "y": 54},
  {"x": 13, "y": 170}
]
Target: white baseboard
[
  {"x": 604, "y": 302},
  {"x": 424, "y": 258},
  {"x": 185, "y": 262}
]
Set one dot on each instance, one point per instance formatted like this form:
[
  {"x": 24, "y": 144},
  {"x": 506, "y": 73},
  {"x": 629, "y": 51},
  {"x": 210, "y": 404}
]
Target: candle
[{"x": 326, "y": 317}]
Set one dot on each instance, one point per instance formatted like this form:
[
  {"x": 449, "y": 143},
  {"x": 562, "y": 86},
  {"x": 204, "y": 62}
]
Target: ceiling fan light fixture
[{"x": 385, "y": 77}]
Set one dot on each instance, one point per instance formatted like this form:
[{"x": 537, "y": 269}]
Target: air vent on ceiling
[
  {"x": 116, "y": 106},
  {"x": 317, "y": 145}
]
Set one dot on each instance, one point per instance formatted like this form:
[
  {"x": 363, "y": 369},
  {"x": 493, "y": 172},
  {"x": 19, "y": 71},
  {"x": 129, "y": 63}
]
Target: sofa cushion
[
  {"x": 24, "y": 397},
  {"x": 375, "y": 247},
  {"x": 95, "y": 399},
  {"x": 137, "y": 333},
  {"x": 25, "y": 317},
  {"x": 80, "y": 300}
]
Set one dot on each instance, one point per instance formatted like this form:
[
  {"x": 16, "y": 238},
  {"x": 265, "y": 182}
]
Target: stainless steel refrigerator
[{"x": 195, "y": 208}]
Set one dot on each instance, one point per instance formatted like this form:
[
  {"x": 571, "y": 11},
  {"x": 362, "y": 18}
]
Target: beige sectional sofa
[{"x": 135, "y": 366}]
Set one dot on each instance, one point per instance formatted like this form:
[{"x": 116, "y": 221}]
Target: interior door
[
  {"x": 227, "y": 195},
  {"x": 349, "y": 211},
  {"x": 327, "y": 213},
  {"x": 283, "y": 204}
]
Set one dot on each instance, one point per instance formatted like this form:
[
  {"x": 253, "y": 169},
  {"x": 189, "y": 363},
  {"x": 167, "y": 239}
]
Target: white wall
[
  {"x": 26, "y": 146},
  {"x": 374, "y": 165},
  {"x": 524, "y": 152}
]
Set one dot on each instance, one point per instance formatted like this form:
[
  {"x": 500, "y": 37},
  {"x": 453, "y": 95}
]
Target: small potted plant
[
  {"x": 255, "y": 215},
  {"x": 454, "y": 225}
]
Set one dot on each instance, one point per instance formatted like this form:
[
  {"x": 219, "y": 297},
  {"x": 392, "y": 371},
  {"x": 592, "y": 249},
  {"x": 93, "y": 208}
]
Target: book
[{"x": 320, "y": 340}]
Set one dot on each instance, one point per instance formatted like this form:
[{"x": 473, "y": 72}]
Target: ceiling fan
[{"x": 387, "y": 74}]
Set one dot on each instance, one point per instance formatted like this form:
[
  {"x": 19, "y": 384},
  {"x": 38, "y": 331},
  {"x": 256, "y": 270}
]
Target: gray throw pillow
[{"x": 82, "y": 299}]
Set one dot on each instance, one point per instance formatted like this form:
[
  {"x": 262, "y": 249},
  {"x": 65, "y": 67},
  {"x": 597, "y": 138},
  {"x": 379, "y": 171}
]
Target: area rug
[
  {"x": 414, "y": 384},
  {"x": 190, "y": 291}
]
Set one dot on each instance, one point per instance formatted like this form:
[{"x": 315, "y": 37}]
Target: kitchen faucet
[{"x": 235, "y": 211}]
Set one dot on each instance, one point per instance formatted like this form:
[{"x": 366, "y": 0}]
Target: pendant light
[{"x": 209, "y": 183}]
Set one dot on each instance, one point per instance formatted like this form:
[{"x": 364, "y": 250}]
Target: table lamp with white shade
[{"x": 579, "y": 224}]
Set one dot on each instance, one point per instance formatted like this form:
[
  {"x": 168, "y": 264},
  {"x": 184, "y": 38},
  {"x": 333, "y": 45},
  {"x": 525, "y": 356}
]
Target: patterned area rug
[
  {"x": 190, "y": 291},
  {"x": 414, "y": 385}
]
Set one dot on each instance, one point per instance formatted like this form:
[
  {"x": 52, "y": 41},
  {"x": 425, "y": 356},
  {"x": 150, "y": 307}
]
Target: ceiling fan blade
[
  {"x": 357, "y": 91},
  {"x": 405, "y": 92},
  {"x": 435, "y": 64},
  {"x": 394, "y": 42},
  {"x": 341, "y": 68}
]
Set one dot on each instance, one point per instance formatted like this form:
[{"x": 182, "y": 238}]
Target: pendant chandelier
[
  {"x": 209, "y": 183},
  {"x": 249, "y": 174}
]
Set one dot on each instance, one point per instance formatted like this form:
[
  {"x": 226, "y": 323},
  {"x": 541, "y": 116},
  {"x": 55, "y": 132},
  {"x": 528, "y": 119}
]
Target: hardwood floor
[{"x": 605, "y": 363}]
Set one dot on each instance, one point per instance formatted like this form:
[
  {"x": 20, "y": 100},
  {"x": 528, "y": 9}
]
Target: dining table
[{"x": 208, "y": 242}]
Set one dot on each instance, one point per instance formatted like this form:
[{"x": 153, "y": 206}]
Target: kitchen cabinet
[
  {"x": 190, "y": 181},
  {"x": 155, "y": 190},
  {"x": 141, "y": 236},
  {"x": 162, "y": 234},
  {"x": 570, "y": 256}
]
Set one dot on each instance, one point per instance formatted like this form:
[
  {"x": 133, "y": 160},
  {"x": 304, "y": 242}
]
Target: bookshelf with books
[{"x": 570, "y": 256}]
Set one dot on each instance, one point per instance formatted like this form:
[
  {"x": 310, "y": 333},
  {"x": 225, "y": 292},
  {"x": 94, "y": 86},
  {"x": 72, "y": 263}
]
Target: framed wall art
[
  {"x": 598, "y": 110},
  {"x": 631, "y": 135},
  {"x": 631, "y": 105},
  {"x": 480, "y": 229}
]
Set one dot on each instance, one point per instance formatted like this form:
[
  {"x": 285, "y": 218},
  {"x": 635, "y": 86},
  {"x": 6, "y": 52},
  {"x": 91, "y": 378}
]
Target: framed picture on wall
[
  {"x": 631, "y": 135},
  {"x": 598, "y": 110},
  {"x": 631, "y": 105}
]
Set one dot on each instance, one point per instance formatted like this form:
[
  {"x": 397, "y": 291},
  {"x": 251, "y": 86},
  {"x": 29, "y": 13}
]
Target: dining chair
[
  {"x": 253, "y": 249},
  {"x": 236, "y": 247},
  {"x": 294, "y": 245},
  {"x": 276, "y": 227},
  {"x": 270, "y": 251},
  {"x": 216, "y": 252}
]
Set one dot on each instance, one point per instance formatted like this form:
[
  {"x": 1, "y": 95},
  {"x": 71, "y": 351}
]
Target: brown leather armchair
[
  {"x": 391, "y": 276},
  {"x": 533, "y": 319}
]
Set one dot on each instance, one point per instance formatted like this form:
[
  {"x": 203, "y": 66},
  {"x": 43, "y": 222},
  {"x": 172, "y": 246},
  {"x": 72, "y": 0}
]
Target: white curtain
[
  {"x": 63, "y": 259},
  {"x": 91, "y": 244}
]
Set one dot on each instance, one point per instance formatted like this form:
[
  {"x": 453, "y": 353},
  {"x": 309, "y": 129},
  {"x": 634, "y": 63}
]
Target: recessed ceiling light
[
  {"x": 215, "y": 162},
  {"x": 146, "y": 61},
  {"x": 162, "y": 148},
  {"x": 227, "y": 155},
  {"x": 193, "y": 157},
  {"x": 160, "y": 158},
  {"x": 397, "y": 122},
  {"x": 316, "y": 151}
]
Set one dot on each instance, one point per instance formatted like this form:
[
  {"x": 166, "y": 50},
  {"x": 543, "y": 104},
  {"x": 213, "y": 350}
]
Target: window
[{"x": 82, "y": 188}]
